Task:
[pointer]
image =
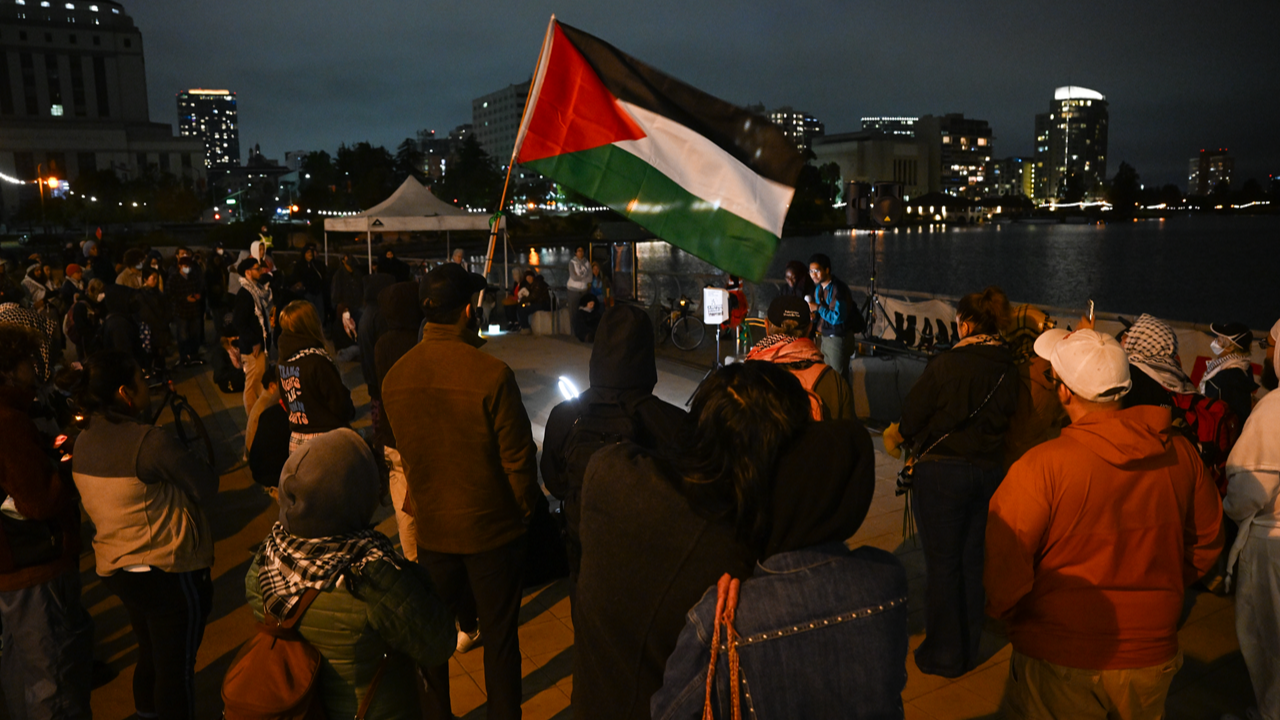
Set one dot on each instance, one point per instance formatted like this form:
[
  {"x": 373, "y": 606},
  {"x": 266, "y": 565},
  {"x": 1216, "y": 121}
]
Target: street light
[{"x": 53, "y": 185}]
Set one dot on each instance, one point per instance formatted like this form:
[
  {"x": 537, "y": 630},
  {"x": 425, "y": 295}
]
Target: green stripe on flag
[{"x": 629, "y": 185}]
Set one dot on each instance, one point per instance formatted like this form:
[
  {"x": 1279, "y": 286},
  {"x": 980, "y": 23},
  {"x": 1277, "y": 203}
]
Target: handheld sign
[{"x": 715, "y": 305}]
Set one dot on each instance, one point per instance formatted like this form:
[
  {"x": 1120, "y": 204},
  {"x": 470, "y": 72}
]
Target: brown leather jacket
[{"x": 463, "y": 433}]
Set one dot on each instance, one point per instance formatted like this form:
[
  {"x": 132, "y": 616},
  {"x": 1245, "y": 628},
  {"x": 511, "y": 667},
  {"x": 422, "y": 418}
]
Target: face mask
[
  {"x": 1216, "y": 347},
  {"x": 186, "y": 271},
  {"x": 140, "y": 266}
]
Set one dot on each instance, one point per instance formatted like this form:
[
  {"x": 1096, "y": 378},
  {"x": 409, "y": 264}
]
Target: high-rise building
[
  {"x": 496, "y": 120},
  {"x": 211, "y": 116},
  {"x": 73, "y": 99},
  {"x": 963, "y": 148},
  {"x": 1208, "y": 170},
  {"x": 904, "y": 126},
  {"x": 799, "y": 127},
  {"x": 1011, "y": 176},
  {"x": 1071, "y": 144}
]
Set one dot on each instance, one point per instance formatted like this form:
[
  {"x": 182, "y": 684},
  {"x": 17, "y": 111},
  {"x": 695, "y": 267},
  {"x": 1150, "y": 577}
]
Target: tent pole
[
  {"x": 448, "y": 254},
  {"x": 326, "y": 247},
  {"x": 368, "y": 237}
]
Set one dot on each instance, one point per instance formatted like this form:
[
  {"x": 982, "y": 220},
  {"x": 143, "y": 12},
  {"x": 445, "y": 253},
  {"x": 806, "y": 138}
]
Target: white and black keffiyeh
[
  {"x": 18, "y": 315},
  {"x": 292, "y": 564},
  {"x": 261, "y": 304},
  {"x": 1226, "y": 362},
  {"x": 1152, "y": 346}
]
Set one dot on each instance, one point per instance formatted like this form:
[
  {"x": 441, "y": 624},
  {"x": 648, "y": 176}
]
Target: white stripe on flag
[{"x": 704, "y": 169}]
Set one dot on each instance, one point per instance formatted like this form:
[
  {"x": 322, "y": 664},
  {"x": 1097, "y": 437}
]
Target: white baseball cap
[{"x": 1093, "y": 365}]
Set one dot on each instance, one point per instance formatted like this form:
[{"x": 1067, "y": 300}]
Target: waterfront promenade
[{"x": 1213, "y": 679}]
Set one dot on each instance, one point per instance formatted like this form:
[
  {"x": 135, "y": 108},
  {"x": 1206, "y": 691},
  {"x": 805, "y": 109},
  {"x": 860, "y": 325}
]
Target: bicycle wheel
[
  {"x": 687, "y": 333},
  {"x": 191, "y": 431}
]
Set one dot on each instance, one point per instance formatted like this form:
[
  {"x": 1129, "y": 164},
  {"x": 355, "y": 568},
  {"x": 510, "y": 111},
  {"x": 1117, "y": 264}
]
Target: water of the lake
[{"x": 1199, "y": 268}]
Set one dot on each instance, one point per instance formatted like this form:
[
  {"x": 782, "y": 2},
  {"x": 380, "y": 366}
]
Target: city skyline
[{"x": 322, "y": 75}]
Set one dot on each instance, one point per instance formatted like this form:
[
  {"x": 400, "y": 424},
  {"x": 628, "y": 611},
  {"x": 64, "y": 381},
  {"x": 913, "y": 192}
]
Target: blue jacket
[
  {"x": 822, "y": 633},
  {"x": 837, "y": 315}
]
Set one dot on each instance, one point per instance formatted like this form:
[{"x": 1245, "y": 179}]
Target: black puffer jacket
[
  {"x": 953, "y": 386},
  {"x": 312, "y": 387}
]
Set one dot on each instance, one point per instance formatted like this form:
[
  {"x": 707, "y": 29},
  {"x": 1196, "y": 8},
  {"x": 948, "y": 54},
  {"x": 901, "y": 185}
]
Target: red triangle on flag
[{"x": 573, "y": 111}]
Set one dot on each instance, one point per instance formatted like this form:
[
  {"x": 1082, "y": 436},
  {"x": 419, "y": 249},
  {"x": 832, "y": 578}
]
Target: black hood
[
  {"x": 375, "y": 284},
  {"x": 118, "y": 299},
  {"x": 399, "y": 306},
  {"x": 622, "y": 358}
]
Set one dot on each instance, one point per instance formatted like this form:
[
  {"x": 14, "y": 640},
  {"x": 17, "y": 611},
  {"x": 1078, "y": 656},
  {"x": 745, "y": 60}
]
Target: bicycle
[
  {"x": 678, "y": 322},
  {"x": 186, "y": 422}
]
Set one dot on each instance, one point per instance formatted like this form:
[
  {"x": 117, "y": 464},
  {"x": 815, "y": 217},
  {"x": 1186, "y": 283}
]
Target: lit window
[
  {"x": 70, "y": 6},
  {"x": 93, "y": 8},
  {"x": 56, "y": 111},
  {"x": 44, "y": 4},
  {"x": 22, "y": 2}
]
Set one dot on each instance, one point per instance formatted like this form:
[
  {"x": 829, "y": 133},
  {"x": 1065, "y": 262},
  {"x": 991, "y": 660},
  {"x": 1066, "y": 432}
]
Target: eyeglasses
[
  {"x": 1053, "y": 379},
  {"x": 815, "y": 271}
]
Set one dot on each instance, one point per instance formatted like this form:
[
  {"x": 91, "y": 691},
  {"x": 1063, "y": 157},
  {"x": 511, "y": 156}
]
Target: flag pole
[{"x": 515, "y": 152}]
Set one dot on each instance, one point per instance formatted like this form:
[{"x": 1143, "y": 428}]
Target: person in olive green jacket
[{"x": 372, "y": 603}]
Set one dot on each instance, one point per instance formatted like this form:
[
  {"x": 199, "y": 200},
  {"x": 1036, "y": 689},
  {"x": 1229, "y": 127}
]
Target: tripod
[{"x": 873, "y": 296}]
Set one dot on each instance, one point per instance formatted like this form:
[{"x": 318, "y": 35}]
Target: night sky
[{"x": 311, "y": 74}]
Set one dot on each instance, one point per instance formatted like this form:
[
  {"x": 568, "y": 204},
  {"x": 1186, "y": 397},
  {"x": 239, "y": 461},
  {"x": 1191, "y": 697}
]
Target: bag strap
[
  {"x": 300, "y": 609},
  {"x": 367, "y": 700},
  {"x": 971, "y": 416}
]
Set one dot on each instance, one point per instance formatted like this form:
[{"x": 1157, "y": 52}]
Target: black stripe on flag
[{"x": 751, "y": 139}]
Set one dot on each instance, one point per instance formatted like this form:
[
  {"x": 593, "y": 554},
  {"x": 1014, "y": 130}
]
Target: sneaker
[{"x": 468, "y": 641}]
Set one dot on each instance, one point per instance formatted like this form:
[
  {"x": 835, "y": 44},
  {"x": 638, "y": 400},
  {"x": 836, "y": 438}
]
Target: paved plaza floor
[{"x": 1213, "y": 679}]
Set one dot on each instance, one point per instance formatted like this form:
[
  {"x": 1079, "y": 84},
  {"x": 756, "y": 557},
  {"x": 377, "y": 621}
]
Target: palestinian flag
[{"x": 704, "y": 175}]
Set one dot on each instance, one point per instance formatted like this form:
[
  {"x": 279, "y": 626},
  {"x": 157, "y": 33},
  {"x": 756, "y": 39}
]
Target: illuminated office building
[
  {"x": 73, "y": 99},
  {"x": 211, "y": 116},
  {"x": 1071, "y": 144},
  {"x": 800, "y": 127},
  {"x": 1208, "y": 170}
]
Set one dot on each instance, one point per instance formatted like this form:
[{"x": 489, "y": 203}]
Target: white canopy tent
[{"x": 411, "y": 208}]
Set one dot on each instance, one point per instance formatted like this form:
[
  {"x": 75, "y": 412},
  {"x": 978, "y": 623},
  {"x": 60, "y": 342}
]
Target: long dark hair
[
  {"x": 745, "y": 415},
  {"x": 94, "y": 389}
]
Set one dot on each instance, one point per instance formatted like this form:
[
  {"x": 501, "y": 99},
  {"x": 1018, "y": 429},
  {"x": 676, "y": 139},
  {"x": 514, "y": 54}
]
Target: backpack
[
  {"x": 273, "y": 677},
  {"x": 809, "y": 378},
  {"x": 598, "y": 425},
  {"x": 1211, "y": 427}
]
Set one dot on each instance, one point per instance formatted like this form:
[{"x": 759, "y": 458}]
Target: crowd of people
[{"x": 1071, "y": 484}]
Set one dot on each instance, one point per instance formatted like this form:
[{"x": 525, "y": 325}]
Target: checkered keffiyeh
[
  {"x": 292, "y": 564},
  {"x": 18, "y": 315},
  {"x": 1152, "y": 345}
]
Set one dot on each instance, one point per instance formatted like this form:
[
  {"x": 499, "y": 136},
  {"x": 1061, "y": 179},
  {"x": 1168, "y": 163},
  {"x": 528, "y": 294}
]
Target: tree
[
  {"x": 1125, "y": 188},
  {"x": 409, "y": 160},
  {"x": 473, "y": 180}
]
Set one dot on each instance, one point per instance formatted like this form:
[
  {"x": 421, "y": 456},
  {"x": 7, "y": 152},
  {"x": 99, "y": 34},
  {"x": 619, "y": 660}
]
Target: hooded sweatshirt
[
  {"x": 312, "y": 387},
  {"x": 371, "y": 326},
  {"x": 1093, "y": 538},
  {"x": 402, "y": 313},
  {"x": 623, "y": 370}
]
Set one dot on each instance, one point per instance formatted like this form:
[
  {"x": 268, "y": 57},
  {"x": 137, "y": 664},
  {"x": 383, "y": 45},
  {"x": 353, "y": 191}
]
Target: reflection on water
[{"x": 1192, "y": 268}]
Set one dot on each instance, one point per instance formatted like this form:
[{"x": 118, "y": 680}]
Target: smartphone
[{"x": 1090, "y": 311}]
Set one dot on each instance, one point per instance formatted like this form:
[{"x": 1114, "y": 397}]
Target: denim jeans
[
  {"x": 950, "y": 504},
  {"x": 190, "y": 337},
  {"x": 48, "y": 650}
]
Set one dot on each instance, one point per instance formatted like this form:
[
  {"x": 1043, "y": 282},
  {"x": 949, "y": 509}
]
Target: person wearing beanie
[
  {"x": 1253, "y": 501},
  {"x": 370, "y": 604},
  {"x": 623, "y": 375},
  {"x": 1229, "y": 375},
  {"x": 100, "y": 266},
  {"x": 1092, "y": 540},
  {"x": 818, "y": 497},
  {"x": 72, "y": 284},
  {"x": 787, "y": 343},
  {"x": 464, "y": 434}
]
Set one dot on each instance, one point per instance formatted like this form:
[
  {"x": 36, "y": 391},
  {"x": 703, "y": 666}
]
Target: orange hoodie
[{"x": 1093, "y": 538}]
